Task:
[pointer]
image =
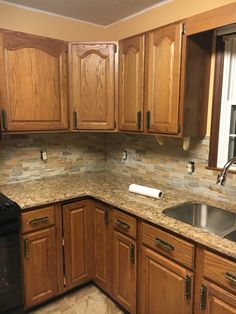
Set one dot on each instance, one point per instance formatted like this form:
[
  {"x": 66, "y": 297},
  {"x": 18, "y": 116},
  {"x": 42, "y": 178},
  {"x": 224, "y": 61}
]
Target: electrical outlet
[
  {"x": 191, "y": 167},
  {"x": 44, "y": 155},
  {"x": 124, "y": 155}
]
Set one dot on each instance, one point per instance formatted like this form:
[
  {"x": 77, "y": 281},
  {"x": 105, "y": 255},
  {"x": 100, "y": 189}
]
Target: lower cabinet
[
  {"x": 102, "y": 245},
  {"x": 145, "y": 269},
  {"x": 216, "y": 300},
  {"x": 166, "y": 286},
  {"x": 125, "y": 270},
  {"x": 77, "y": 252},
  {"x": 39, "y": 265}
]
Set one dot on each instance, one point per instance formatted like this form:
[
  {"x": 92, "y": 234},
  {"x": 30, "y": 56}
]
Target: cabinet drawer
[
  {"x": 125, "y": 223},
  {"x": 168, "y": 245},
  {"x": 220, "y": 270},
  {"x": 37, "y": 219}
]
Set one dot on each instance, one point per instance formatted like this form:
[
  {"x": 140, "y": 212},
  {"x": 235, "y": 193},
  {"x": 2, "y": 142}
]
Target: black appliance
[{"x": 11, "y": 289}]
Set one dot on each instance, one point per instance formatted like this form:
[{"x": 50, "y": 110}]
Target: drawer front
[
  {"x": 168, "y": 245},
  {"x": 125, "y": 223},
  {"x": 37, "y": 219},
  {"x": 220, "y": 270}
]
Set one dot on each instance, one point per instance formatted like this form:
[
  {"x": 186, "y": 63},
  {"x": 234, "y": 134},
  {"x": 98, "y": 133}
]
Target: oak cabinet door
[
  {"x": 92, "y": 72},
  {"x": 166, "y": 287},
  {"x": 33, "y": 89},
  {"x": 217, "y": 300},
  {"x": 125, "y": 273},
  {"x": 40, "y": 266},
  {"x": 163, "y": 58},
  {"x": 102, "y": 248},
  {"x": 131, "y": 83},
  {"x": 76, "y": 222}
]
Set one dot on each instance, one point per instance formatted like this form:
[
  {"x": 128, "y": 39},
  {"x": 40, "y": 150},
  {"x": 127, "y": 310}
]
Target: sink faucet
[{"x": 222, "y": 176}]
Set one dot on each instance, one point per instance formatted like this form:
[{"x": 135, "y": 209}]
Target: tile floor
[{"x": 87, "y": 300}]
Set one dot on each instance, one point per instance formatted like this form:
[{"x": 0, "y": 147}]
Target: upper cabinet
[
  {"x": 163, "y": 59},
  {"x": 92, "y": 83},
  {"x": 33, "y": 89},
  {"x": 131, "y": 83}
]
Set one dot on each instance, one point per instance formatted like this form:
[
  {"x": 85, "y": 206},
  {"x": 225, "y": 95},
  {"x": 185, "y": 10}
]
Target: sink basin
[
  {"x": 215, "y": 220},
  {"x": 231, "y": 236}
]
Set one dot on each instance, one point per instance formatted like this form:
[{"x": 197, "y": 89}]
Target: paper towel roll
[{"x": 146, "y": 191}]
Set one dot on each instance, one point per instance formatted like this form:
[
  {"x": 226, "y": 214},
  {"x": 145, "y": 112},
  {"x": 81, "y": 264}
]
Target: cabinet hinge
[{"x": 184, "y": 29}]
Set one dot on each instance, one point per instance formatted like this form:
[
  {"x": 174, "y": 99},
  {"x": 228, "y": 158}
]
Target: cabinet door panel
[
  {"x": 77, "y": 243},
  {"x": 219, "y": 301},
  {"x": 39, "y": 266},
  {"x": 93, "y": 85},
  {"x": 125, "y": 271},
  {"x": 34, "y": 92},
  {"x": 131, "y": 83},
  {"x": 102, "y": 255},
  {"x": 163, "y": 285},
  {"x": 163, "y": 56}
]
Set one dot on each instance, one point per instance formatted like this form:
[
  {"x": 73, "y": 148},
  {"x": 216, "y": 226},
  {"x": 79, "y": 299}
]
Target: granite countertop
[{"x": 113, "y": 190}]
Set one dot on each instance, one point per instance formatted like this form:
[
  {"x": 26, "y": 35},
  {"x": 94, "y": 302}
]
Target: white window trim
[{"x": 227, "y": 101}]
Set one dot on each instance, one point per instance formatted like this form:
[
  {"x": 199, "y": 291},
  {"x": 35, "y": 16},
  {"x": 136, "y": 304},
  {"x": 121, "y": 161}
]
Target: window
[
  {"x": 227, "y": 130},
  {"x": 223, "y": 128}
]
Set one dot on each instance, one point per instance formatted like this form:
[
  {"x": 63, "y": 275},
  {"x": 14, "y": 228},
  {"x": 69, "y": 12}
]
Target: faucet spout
[{"x": 221, "y": 178}]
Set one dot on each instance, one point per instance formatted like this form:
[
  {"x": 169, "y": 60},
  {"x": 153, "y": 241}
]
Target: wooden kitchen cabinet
[
  {"x": 92, "y": 83},
  {"x": 125, "y": 271},
  {"x": 102, "y": 245},
  {"x": 166, "y": 287},
  {"x": 33, "y": 89},
  {"x": 216, "y": 300},
  {"x": 77, "y": 243},
  {"x": 162, "y": 79},
  {"x": 40, "y": 266},
  {"x": 131, "y": 83}
]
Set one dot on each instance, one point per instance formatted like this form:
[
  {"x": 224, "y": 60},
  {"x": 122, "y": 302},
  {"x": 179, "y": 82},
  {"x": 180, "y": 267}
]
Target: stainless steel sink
[{"x": 215, "y": 220}]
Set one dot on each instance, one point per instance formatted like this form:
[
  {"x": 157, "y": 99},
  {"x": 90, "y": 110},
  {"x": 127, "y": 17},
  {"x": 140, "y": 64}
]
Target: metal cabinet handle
[
  {"x": 106, "y": 216},
  {"x": 122, "y": 224},
  {"x": 38, "y": 220},
  {"x": 26, "y": 249},
  {"x": 4, "y": 119},
  {"x": 132, "y": 253},
  {"x": 148, "y": 119},
  {"x": 203, "y": 297},
  {"x": 230, "y": 277},
  {"x": 75, "y": 119},
  {"x": 188, "y": 287},
  {"x": 139, "y": 119},
  {"x": 166, "y": 246}
]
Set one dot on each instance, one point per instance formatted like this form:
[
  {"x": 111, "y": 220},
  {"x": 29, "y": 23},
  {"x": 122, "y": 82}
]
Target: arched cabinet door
[
  {"x": 131, "y": 83},
  {"x": 162, "y": 81},
  {"x": 33, "y": 89},
  {"x": 92, "y": 85}
]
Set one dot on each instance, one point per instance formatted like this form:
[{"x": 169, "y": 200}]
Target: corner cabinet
[
  {"x": 33, "y": 89},
  {"x": 131, "y": 83},
  {"x": 92, "y": 83}
]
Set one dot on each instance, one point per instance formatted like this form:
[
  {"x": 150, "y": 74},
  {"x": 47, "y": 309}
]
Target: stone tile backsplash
[
  {"x": 167, "y": 163},
  {"x": 70, "y": 153}
]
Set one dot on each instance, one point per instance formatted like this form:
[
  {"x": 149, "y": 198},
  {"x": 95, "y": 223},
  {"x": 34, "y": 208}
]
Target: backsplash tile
[
  {"x": 167, "y": 163},
  {"x": 68, "y": 153}
]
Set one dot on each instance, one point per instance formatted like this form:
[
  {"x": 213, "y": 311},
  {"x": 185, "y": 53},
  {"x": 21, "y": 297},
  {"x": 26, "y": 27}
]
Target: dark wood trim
[
  {"x": 216, "y": 105},
  {"x": 220, "y": 169}
]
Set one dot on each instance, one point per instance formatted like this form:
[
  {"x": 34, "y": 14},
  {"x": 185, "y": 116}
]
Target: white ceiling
[{"x": 101, "y": 12}]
